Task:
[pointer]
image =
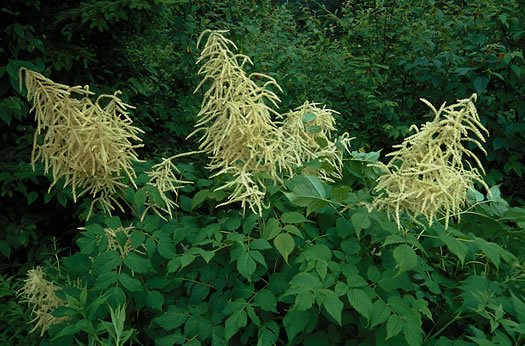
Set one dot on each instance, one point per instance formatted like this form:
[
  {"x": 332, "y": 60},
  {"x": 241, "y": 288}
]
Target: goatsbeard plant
[
  {"x": 428, "y": 174},
  {"x": 240, "y": 136}
]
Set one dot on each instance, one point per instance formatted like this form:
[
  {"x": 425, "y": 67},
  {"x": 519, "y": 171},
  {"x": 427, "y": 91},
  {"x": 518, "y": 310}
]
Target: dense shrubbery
[{"x": 319, "y": 265}]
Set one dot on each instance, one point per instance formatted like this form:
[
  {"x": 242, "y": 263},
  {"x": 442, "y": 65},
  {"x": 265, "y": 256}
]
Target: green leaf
[
  {"x": 413, "y": 332},
  {"x": 480, "y": 84},
  {"x": 74, "y": 328},
  {"x": 457, "y": 247},
  {"x": 260, "y": 244},
  {"x": 293, "y": 217},
  {"x": 246, "y": 265},
  {"x": 171, "y": 320},
  {"x": 303, "y": 300},
  {"x": 306, "y": 280},
  {"x": 172, "y": 339},
  {"x": 519, "y": 306},
  {"x": 309, "y": 117},
  {"x": 266, "y": 300},
  {"x": 355, "y": 280},
  {"x": 77, "y": 264},
  {"x": 137, "y": 263},
  {"x": 373, "y": 274},
  {"x": 140, "y": 198},
  {"x": 268, "y": 334},
  {"x": 284, "y": 243},
  {"x": 360, "y": 221},
  {"x": 333, "y": 305},
  {"x": 321, "y": 268},
  {"x": 360, "y": 302},
  {"x": 313, "y": 129},
  {"x": 199, "y": 198},
  {"x": 31, "y": 197},
  {"x": 310, "y": 194},
  {"x": 294, "y": 322},
  {"x": 380, "y": 313},
  {"x": 233, "y": 323},
  {"x": 130, "y": 283},
  {"x": 405, "y": 257},
  {"x": 166, "y": 248},
  {"x": 155, "y": 300},
  {"x": 106, "y": 262},
  {"x": 394, "y": 325},
  {"x": 105, "y": 280},
  {"x": 493, "y": 251},
  {"x": 340, "y": 193},
  {"x": 4, "y": 248},
  {"x": 271, "y": 229}
]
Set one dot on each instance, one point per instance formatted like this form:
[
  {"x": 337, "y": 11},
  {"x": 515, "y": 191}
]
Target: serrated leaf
[
  {"x": 405, "y": 257},
  {"x": 172, "y": 339},
  {"x": 266, "y": 300},
  {"x": 140, "y": 198},
  {"x": 394, "y": 325},
  {"x": 294, "y": 322},
  {"x": 293, "y": 217},
  {"x": 360, "y": 221},
  {"x": 380, "y": 312},
  {"x": 360, "y": 302},
  {"x": 166, "y": 248},
  {"x": 155, "y": 300},
  {"x": 303, "y": 300},
  {"x": 340, "y": 193},
  {"x": 130, "y": 283},
  {"x": 246, "y": 265},
  {"x": 268, "y": 334},
  {"x": 413, "y": 332},
  {"x": 310, "y": 194},
  {"x": 356, "y": 280},
  {"x": 333, "y": 305},
  {"x": 105, "y": 280},
  {"x": 260, "y": 244},
  {"x": 77, "y": 264},
  {"x": 199, "y": 198},
  {"x": 137, "y": 239},
  {"x": 480, "y": 84},
  {"x": 455, "y": 246},
  {"x": 106, "y": 262},
  {"x": 321, "y": 267},
  {"x": 137, "y": 263},
  {"x": 306, "y": 280},
  {"x": 171, "y": 320},
  {"x": 271, "y": 229},
  {"x": 284, "y": 243},
  {"x": 233, "y": 323}
]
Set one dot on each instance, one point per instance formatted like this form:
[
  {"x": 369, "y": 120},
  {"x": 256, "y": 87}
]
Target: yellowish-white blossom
[
  {"x": 431, "y": 171},
  {"x": 87, "y": 143},
  {"x": 40, "y": 293},
  {"x": 239, "y": 135}
]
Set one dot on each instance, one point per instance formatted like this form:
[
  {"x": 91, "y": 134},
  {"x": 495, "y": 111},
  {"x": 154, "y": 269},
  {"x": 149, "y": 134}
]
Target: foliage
[{"x": 320, "y": 265}]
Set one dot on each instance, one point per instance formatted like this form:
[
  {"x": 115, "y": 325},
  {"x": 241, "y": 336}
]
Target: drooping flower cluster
[
  {"x": 307, "y": 137},
  {"x": 86, "y": 143},
  {"x": 427, "y": 175},
  {"x": 40, "y": 293},
  {"x": 238, "y": 132}
]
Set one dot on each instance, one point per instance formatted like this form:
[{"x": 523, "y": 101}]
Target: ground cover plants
[{"x": 268, "y": 224}]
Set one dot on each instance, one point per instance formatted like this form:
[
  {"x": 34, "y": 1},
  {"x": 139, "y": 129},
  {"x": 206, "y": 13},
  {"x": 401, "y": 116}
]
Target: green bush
[{"x": 319, "y": 265}]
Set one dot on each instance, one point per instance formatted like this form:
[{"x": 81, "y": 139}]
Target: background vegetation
[{"x": 306, "y": 271}]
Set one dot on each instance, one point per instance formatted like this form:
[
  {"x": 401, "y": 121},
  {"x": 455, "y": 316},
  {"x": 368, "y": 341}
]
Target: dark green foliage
[{"x": 318, "y": 268}]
